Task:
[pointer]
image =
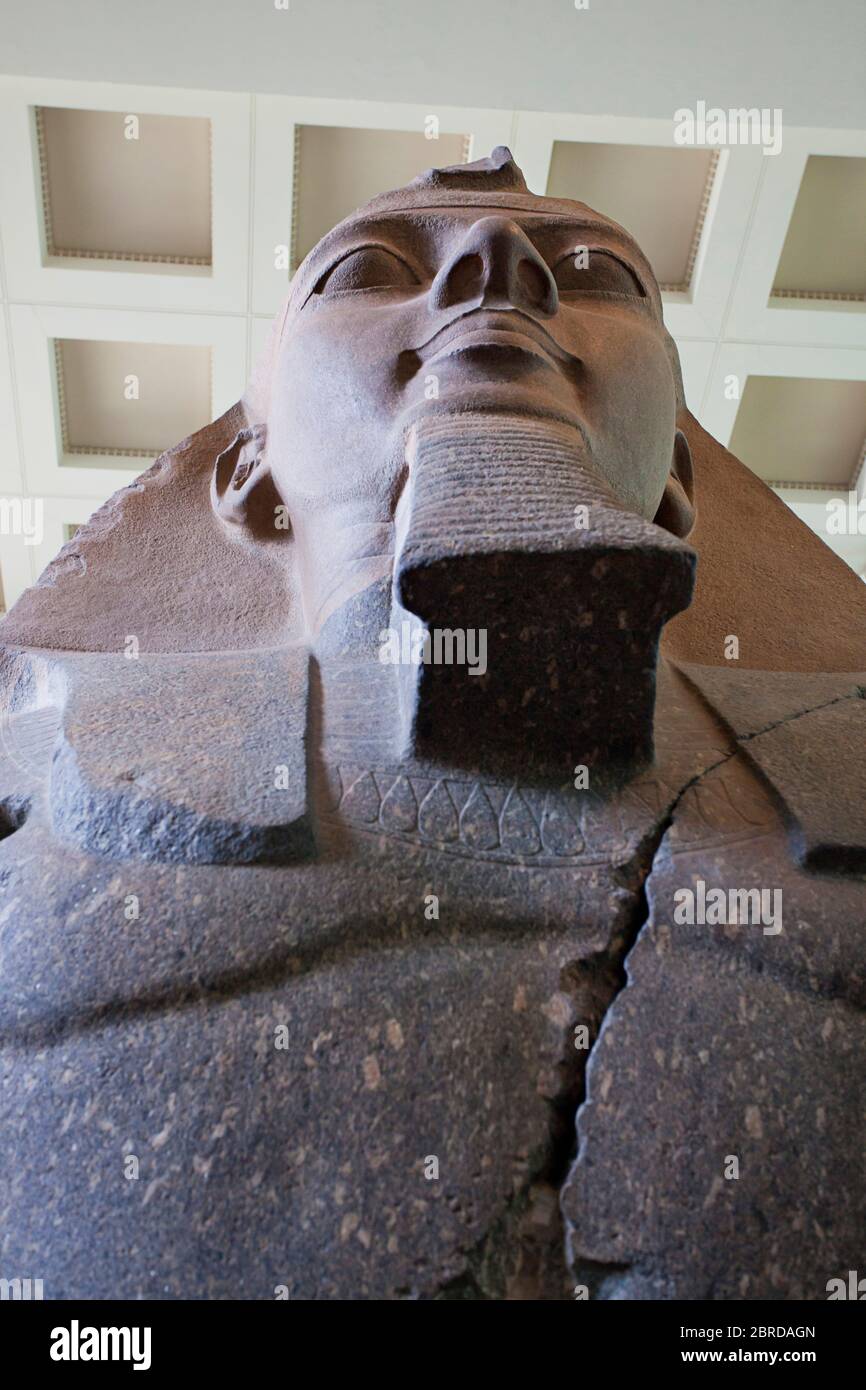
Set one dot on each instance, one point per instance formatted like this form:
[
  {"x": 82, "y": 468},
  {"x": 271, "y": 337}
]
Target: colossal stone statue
[{"x": 450, "y": 743}]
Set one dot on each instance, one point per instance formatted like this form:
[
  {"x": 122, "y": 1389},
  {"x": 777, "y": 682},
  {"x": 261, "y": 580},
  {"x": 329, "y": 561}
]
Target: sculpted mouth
[{"x": 485, "y": 331}]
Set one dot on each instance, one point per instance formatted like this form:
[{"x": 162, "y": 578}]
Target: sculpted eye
[
  {"x": 584, "y": 272},
  {"x": 368, "y": 268}
]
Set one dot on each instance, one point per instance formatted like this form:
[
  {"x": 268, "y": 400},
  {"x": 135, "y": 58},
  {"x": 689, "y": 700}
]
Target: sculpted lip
[{"x": 484, "y": 329}]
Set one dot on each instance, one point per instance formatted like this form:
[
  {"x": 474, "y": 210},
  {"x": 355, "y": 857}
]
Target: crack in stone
[
  {"x": 522, "y": 1256},
  {"x": 792, "y": 718},
  {"x": 830, "y": 860},
  {"x": 613, "y": 964},
  {"x": 856, "y": 692}
]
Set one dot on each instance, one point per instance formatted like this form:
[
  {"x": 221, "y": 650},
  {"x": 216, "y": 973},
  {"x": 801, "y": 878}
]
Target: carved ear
[
  {"x": 242, "y": 491},
  {"x": 676, "y": 511}
]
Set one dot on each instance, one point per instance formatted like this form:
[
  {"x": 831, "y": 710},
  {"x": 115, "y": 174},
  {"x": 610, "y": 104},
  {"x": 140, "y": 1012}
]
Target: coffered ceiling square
[
  {"x": 801, "y": 430},
  {"x": 122, "y": 186},
  {"x": 824, "y": 254}
]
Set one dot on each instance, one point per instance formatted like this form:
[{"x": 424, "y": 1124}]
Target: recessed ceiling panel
[
  {"x": 658, "y": 194},
  {"x": 339, "y": 168},
  {"x": 123, "y": 186},
  {"x": 130, "y": 398},
  {"x": 801, "y": 429},
  {"x": 825, "y": 247}
]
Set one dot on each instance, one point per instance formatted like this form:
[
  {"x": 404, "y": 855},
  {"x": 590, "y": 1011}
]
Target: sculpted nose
[{"x": 496, "y": 266}]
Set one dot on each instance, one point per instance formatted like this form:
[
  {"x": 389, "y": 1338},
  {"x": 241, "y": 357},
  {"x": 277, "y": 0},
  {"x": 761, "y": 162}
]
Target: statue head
[{"x": 465, "y": 295}]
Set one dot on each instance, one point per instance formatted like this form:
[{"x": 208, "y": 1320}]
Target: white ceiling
[{"x": 618, "y": 57}]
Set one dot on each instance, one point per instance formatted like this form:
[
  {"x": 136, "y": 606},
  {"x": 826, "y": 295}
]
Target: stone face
[{"x": 312, "y": 952}]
